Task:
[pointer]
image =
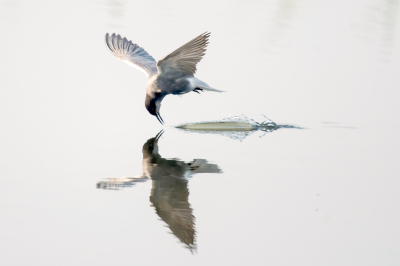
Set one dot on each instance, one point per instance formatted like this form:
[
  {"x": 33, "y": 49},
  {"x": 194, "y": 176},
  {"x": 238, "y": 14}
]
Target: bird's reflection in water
[{"x": 169, "y": 194}]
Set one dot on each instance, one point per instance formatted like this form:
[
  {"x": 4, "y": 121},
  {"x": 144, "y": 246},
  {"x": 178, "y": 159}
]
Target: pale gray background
[{"x": 71, "y": 115}]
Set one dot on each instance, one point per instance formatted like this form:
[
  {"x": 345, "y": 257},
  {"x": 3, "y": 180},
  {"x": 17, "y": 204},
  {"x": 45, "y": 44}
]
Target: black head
[{"x": 153, "y": 105}]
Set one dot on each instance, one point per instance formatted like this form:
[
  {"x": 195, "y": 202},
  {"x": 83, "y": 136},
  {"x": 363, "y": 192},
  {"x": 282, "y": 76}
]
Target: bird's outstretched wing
[
  {"x": 131, "y": 53},
  {"x": 184, "y": 59}
]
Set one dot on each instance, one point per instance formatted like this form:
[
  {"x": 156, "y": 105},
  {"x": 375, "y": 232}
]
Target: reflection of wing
[
  {"x": 170, "y": 193},
  {"x": 117, "y": 183},
  {"x": 170, "y": 198}
]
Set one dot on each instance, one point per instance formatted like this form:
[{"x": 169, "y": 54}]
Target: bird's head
[{"x": 153, "y": 105}]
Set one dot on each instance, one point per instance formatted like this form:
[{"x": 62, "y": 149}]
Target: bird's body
[{"x": 173, "y": 74}]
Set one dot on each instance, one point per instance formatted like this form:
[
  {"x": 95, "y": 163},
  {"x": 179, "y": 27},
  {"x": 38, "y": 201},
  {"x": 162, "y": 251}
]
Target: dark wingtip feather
[{"x": 107, "y": 42}]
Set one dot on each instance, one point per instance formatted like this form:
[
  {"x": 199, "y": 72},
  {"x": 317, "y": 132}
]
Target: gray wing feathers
[
  {"x": 130, "y": 53},
  {"x": 184, "y": 59}
]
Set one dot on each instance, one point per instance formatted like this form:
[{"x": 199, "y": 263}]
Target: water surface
[{"x": 324, "y": 192}]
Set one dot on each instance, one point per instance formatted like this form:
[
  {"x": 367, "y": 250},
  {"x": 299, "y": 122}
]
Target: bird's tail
[
  {"x": 208, "y": 88},
  {"x": 202, "y": 85}
]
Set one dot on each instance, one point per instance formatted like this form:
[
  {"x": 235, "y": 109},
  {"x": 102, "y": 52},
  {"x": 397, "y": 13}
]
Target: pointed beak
[
  {"x": 159, "y": 118},
  {"x": 159, "y": 135}
]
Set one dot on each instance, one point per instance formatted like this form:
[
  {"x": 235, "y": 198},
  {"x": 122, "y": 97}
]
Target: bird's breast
[{"x": 170, "y": 86}]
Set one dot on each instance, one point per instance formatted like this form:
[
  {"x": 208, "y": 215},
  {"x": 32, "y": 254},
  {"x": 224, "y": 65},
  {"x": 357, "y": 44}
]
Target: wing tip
[
  {"x": 107, "y": 38},
  {"x": 205, "y": 35},
  {"x": 113, "y": 42}
]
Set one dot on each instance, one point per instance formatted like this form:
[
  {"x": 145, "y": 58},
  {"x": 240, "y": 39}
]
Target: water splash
[{"x": 237, "y": 127}]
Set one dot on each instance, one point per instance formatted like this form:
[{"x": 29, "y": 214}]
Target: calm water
[{"x": 87, "y": 179}]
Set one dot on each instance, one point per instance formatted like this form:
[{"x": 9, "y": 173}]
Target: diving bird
[{"x": 173, "y": 74}]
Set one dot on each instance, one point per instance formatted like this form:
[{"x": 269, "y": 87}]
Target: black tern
[{"x": 173, "y": 74}]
